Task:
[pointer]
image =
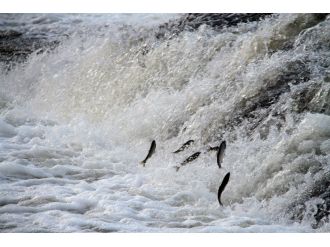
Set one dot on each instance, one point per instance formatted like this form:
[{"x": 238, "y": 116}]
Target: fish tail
[{"x": 143, "y": 163}]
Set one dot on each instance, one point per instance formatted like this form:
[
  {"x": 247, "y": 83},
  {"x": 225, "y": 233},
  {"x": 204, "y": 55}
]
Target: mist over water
[{"x": 76, "y": 121}]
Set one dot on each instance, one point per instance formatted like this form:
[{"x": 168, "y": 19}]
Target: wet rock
[
  {"x": 15, "y": 47},
  {"x": 217, "y": 21},
  {"x": 314, "y": 203},
  {"x": 257, "y": 108},
  {"x": 303, "y": 97},
  {"x": 286, "y": 37},
  {"x": 5, "y": 34}
]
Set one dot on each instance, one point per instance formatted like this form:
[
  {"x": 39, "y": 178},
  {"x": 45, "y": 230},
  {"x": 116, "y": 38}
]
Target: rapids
[{"x": 76, "y": 120}]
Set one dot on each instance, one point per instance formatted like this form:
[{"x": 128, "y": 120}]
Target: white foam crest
[
  {"x": 82, "y": 117},
  {"x": 6, "y": 130}
]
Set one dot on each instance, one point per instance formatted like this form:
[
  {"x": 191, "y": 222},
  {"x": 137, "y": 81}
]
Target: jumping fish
[
  {"x": 213, "y": 148},
  {"x": 184, "y": 146},
  {"x": 150, "y": 153},
  {"x": 221, "y": 153},
  {"x": 189, "y": 159},
  {"x": 223, "y": 186}
]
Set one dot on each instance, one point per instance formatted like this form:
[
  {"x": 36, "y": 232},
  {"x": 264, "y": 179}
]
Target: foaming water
[{"x": 75, "y": 123}]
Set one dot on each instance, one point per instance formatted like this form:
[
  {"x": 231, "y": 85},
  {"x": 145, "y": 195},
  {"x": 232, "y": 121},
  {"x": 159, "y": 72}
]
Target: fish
[
  {"x": 223, "y": 186},
  {"x": 221, "y": 153},
  {"x": 150, "y": 153},
  {"x": 210, "y": 148},
  {"x": 189, "y": 159},
  {"x": 184, "y": 146}
]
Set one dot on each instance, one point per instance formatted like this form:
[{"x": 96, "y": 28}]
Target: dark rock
[
  {"x": 321, "y": 191},
  {"x": 15, "y": 47},
  {"x": 192, "y": 21},
  {"x": 302, "y": 98},
  {"x": 249, "y": 109},
  {"x": 285, "y": 39},
  {"x": 7, "y": 34}
]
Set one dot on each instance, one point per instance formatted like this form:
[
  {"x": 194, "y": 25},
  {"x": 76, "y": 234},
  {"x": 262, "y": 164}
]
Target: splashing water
[{"x": 76, "y": 121}]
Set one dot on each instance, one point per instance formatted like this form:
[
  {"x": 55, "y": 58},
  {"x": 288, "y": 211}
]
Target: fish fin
[{"x": 143, "y": 163}]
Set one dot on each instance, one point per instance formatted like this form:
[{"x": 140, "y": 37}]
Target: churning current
[{"x": 80, "y": 106}]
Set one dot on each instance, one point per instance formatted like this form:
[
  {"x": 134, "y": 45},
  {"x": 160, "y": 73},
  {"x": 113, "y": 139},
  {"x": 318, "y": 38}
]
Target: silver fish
[
  {"x": 189, "y": 159},
  {"x": 210, "y": 148},
  {"x": 223, "y": 186},
  {"x": 184, "y": 146},
  {"x": 221, "y": 153},
  {"x": 150, "y": 153}
]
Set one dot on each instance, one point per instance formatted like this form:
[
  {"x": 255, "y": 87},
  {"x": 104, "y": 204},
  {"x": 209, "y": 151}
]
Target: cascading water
[{"x": 76, "y": 120}]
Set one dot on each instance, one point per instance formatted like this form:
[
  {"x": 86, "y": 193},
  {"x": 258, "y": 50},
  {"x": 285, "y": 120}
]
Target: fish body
[
  {"x": 184, "y": 146},
  {"x": 221, "y": 153},
  {"x": 223, "y": 186},
  {"x": 150, "y": 153},
  {"x": 189, "y": 159},
  {"x": 210, "y": 148}
]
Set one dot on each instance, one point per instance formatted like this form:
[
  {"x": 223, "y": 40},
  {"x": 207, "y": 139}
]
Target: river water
[{"x": 76, "y": 121}]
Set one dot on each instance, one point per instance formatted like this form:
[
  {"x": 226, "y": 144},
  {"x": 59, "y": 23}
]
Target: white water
[{"x": 76, "y": 122}]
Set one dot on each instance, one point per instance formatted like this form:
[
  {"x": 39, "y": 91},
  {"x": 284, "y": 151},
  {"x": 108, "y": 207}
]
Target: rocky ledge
[
  {"x": 16, "y": 46},
  {"x": 192, "y": 21}
]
